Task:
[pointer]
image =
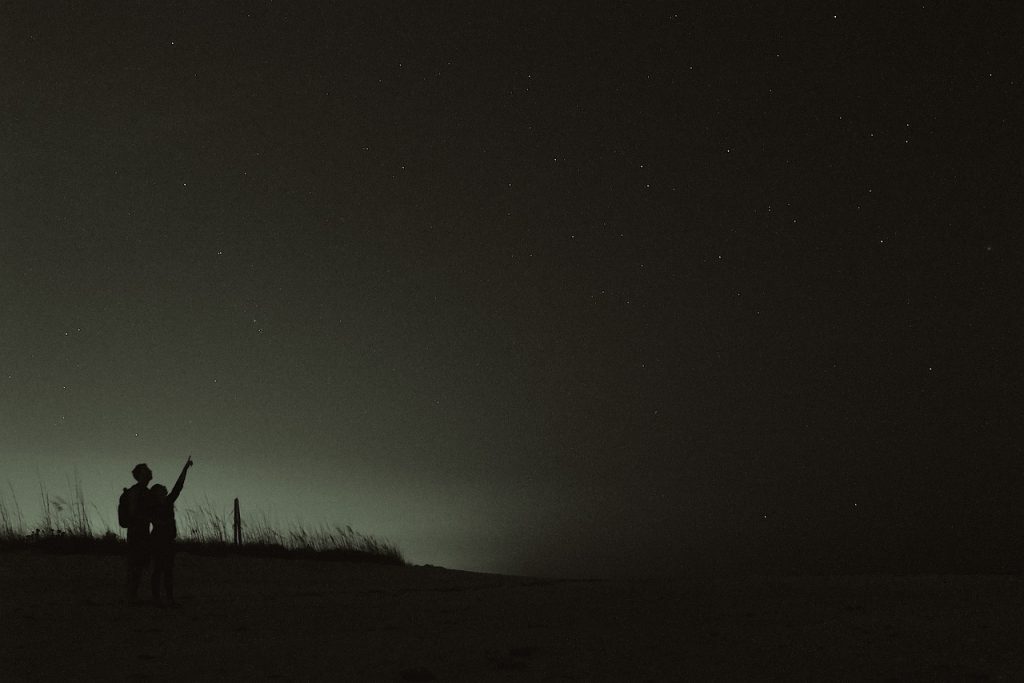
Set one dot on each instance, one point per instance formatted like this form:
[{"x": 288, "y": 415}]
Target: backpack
[{"x": 125, "y": 508}]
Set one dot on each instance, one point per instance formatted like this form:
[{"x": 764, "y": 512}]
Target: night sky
[{"x": 641, "y": 288}]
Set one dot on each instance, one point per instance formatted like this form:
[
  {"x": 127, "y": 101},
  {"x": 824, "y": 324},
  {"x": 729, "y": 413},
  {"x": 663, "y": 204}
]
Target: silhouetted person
[
  {"x": 135, "y": 517},
  {"x": 163, "y": 535}
]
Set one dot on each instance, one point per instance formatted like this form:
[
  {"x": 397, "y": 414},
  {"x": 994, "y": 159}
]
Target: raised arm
[{"x": 173, "y": 495}]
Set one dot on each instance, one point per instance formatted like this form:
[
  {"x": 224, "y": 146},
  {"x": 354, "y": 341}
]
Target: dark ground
[{"x": 244, "y": 618}]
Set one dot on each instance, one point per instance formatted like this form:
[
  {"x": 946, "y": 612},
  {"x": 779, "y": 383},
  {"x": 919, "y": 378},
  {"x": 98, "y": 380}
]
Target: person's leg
[
  {"x": 135, "y": 563},
  {"x": 132, "y": 578},
  {"x": 158, "y": 570},
  {"x": 169, "y": 576}
]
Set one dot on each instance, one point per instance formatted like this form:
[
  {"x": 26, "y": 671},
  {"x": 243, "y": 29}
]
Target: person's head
[
  {"x": 158, "y": 491},
  {"x": 142, "y": 474}
]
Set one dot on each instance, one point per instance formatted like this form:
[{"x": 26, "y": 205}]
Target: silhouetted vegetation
[
  {"x": 65, "y": 527},
  {"x": 203, "y": 530}
]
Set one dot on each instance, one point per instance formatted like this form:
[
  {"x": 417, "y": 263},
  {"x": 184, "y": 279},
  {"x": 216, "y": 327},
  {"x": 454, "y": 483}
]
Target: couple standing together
[{"x": 148, "y": 516}]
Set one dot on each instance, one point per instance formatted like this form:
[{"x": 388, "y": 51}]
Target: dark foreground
[{"x": 242, "y": 618}]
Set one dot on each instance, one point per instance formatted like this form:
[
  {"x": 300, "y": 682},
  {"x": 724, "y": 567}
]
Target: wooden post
[{"x": 238, "y": 525}]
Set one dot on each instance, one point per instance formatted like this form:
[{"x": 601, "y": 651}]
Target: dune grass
[
  {"x": 65, "y": 526},
  {"x": 203, "y": 529},
  {"x": 12, "y": 522}
]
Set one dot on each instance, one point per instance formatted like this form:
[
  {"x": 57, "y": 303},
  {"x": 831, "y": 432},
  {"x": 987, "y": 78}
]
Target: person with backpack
[
  {"x": 133, "y": 516},
  {"x": 162, "y": 537}
]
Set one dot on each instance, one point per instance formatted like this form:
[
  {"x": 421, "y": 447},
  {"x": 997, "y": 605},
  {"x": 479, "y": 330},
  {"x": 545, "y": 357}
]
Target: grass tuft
[
  {"x": 205, "y": 530},
  {"x": 12, "y": 523}
]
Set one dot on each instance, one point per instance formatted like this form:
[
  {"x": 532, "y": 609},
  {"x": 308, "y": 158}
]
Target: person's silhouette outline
[
  {"x": 137, "y": 530},
  {"x": 162, "y": 537}
]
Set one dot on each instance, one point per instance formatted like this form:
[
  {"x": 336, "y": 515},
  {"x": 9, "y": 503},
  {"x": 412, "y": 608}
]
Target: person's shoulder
[{"x": 139, "y": 491}]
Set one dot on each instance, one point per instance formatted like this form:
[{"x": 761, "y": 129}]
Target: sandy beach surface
[{"x": 62, "y": 617}]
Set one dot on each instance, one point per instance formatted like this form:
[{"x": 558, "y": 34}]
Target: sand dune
[{"x": 61, "y": 618}]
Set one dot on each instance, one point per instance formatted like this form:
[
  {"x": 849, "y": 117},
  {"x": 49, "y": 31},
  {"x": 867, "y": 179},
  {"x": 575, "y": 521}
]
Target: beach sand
[{"x": 62, "y": 617}]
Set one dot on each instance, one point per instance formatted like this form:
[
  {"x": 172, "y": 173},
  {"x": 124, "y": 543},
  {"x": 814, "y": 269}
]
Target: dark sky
[{"x": 650, "y": 287}]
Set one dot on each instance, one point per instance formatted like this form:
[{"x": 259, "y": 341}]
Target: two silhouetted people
[{"x": 140, "y": 509}]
